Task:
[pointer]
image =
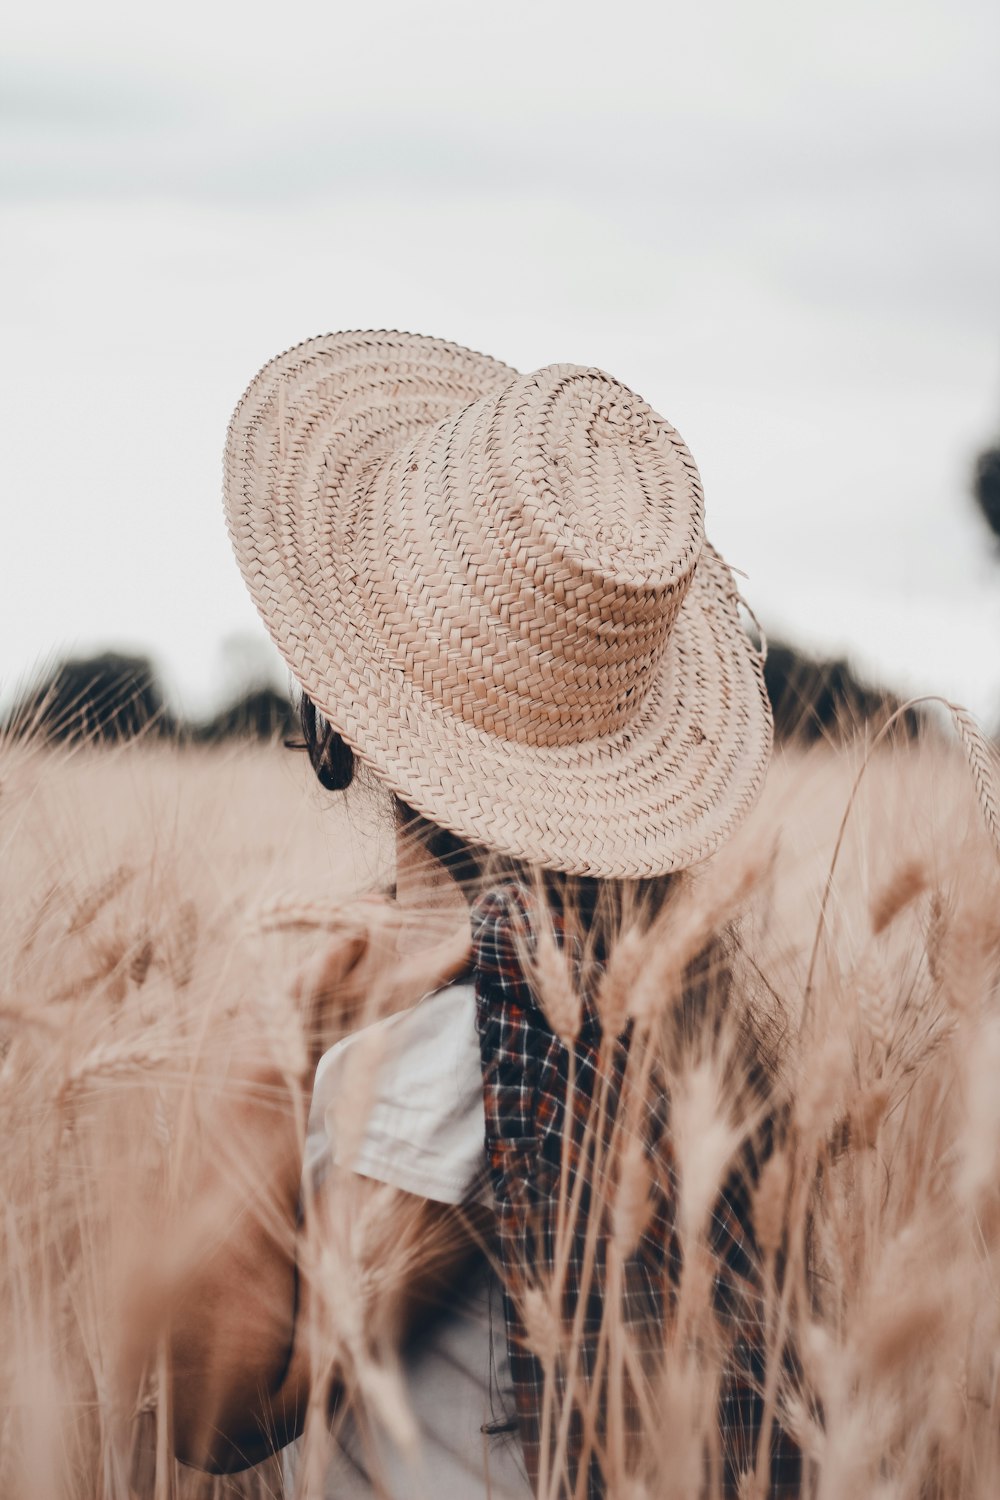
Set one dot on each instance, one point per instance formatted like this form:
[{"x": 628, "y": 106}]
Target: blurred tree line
[
  {"x": 986, "y": 487},
  {"x": 110, "y": 698}
]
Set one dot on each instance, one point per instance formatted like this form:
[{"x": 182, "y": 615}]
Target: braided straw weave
[{"x": 496, "y": 586}]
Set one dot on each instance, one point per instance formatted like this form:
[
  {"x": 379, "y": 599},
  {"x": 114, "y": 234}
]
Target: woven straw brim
[{"x": 657, "y": 794}]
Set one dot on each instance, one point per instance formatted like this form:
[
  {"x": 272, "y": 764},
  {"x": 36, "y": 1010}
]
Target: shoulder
[
  {"x": 503, "y": 941},
  {"x": 508, "y": 904}
]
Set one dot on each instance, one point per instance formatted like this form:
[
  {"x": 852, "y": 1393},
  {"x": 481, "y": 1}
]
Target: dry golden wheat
[
  {"x": 554, "y": 981},
  {"x": 130, "y": 977},
  {"x": 633, "y": 1203},
  {"x": 982, "y": 758},
  {"x": 908, "y": 882},
  {"x": 97, "y": 898}
]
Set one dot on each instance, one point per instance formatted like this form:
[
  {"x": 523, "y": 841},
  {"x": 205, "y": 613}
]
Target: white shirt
[
  {"x": 421, "y": 1129},
  {"x": 423, "y": 1125}
]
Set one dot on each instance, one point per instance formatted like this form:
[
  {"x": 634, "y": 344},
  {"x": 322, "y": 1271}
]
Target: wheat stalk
[
  {"x": 290, "y": 911},
  {"x": 769, "y": 1202},
  {"x": 909, "y": 881},
  {"x": 182, "y": 948},
  {"x": 981, "y": 757},
  {"x": 98, "y": 897},
  {"x": 633, "y": 1202},
  {"x": 140, "y": 962},
  {"x": 554, "y": 981},
  {"x": 875, "y": 1000},
  {"x": 111, "y": 1060}
]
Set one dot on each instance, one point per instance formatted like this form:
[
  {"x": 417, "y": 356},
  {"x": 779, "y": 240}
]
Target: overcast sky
[{"x": 778, "y": 221}]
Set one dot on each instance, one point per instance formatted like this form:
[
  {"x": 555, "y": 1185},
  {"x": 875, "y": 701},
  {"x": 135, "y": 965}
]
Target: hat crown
[
  {"x": 527, "y": 555},
  {"x": 453, "y": 559}
]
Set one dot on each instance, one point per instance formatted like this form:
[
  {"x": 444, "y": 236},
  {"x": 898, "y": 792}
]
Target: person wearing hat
[{"x": 495, "y": 593}]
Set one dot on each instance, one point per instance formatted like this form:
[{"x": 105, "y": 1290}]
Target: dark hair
[{"x": 331, "y": 756}]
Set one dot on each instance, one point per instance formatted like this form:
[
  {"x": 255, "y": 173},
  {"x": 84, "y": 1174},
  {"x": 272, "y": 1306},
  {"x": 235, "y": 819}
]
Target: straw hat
[{"x": 496, "y": 587}]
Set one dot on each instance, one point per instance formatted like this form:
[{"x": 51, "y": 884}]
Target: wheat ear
[
  {"x": 98, "y": 897},
  {"x": 982, "y": 764},
  {"x": 979, "y": 756}
]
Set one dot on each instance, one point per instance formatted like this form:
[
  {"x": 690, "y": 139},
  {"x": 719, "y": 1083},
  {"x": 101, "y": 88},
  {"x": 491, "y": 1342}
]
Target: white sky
[{"x": 779, "y": 222}]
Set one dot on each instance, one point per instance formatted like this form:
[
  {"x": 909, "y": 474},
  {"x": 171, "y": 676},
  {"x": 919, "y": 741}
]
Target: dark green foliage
[
  {"x": 260, "y": 714},
  {"x": 814, "y": 700},
  {"x": 109, "y": 698},
  {"x": 98, "y": 699},
  {"x": 986, "y": 487}
]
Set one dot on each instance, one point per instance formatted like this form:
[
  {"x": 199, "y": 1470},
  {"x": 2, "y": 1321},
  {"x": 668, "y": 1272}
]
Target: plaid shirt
[{"x": 550, "y": 1140}]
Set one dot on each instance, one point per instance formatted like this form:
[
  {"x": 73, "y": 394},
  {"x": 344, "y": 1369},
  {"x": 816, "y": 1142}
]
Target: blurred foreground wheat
[{"x": 154, "y": 904}]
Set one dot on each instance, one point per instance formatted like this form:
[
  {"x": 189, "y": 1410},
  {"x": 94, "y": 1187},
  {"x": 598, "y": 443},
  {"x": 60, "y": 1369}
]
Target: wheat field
[{"x": 155, "y": 903}]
